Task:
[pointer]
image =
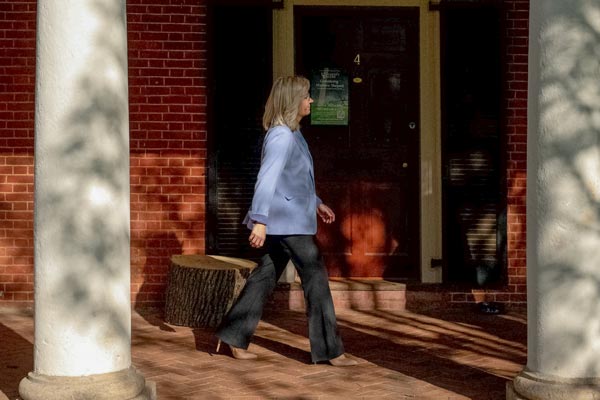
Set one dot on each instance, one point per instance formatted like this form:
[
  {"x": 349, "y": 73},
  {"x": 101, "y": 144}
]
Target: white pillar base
[
  {"x": 127, "y": 384},
  {"x": 533, "y": 386}
]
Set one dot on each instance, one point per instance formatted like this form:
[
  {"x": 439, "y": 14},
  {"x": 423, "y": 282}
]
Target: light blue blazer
[{"x": 284, "y": 195}]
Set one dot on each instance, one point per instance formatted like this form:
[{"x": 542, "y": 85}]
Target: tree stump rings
[{"x": 202, "y": 288}]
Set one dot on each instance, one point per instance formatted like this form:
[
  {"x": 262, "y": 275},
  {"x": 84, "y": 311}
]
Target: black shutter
[
  {"x": 473, "y": 182},
  {"x": 236, "y": 175},
  {"x": 241, "y": 75}
]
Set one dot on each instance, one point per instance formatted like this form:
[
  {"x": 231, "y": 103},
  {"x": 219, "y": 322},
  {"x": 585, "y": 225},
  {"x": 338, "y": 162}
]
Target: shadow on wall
[
  {"x": 364, "y": 241},
  {"x": 84, "y": 221},
  {"x": 17, "y": 360},
  {"x": 568, "y": 148},
  {"x": 160, "y": 247},
  {"x": 16, "y": 225},
  {"x": 165, "y": 222}
]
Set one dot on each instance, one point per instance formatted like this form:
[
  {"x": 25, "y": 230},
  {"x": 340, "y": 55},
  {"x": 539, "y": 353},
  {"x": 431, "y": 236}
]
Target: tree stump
[{"x": 201, "y": 289}]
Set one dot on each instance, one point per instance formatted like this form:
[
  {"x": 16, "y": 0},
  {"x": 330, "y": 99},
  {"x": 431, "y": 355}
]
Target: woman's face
[{"x": 304, "y": 109}]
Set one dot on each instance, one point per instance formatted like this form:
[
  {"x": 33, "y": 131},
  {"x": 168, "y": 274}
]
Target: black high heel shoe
[{"x": 237, "y": 353}]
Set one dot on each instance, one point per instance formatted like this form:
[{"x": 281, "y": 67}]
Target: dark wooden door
[{"x": 367, "y": 169}]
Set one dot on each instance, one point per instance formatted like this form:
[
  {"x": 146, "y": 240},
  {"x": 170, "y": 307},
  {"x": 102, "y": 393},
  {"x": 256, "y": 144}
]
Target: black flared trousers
[{"x": 239, "y": 324}]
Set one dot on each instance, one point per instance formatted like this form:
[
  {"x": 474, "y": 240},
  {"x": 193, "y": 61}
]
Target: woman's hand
[
  {"x": 258, "y": 235},
  {"x": 325, "y": 213}
]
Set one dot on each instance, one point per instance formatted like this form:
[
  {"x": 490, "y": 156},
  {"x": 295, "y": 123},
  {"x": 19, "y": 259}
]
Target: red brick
[
  {"x": 517, "y": 37},
  {"x": 168, "y": 115},
  {"x": 19, "y": 287}
]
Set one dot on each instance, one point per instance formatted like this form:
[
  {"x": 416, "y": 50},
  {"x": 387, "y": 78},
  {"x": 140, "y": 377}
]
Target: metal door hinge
[{"x": 436, "y": 262}]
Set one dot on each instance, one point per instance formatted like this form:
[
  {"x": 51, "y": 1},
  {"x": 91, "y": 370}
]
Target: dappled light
[
  {"x": 168, "y": 140},
  {"x": 166, "y": 218},
  {"x": 436, "y": 354},
  {"x": 374, "y": 242},
  {"x": 82, "y": 199},
  {"x": 370, "y": 234},
  {"x": 566, "y": 246},
  {"x": 399, "y": 353}
]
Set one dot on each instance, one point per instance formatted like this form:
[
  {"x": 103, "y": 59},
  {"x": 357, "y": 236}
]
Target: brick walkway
[{"x": 450, "y": 354}]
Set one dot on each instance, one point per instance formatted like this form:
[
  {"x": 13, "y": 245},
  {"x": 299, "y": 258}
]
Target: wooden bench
[{"x": 202, "y": 288}]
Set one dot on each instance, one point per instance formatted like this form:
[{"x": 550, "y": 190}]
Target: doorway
[{"x": 363, "y": 63}]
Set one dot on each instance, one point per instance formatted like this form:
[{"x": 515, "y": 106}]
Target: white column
[
  {"x": 82, "y": 343},
  {"x": 563, "y": 203}
]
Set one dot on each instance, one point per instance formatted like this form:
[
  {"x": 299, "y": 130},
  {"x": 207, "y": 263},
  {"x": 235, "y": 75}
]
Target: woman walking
[{"x": 283, "y": 219}]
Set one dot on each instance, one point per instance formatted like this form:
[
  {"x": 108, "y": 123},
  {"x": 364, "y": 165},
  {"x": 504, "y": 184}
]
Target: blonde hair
[{"x": 284, "y": 101}]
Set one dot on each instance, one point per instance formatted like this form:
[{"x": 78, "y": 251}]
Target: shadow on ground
[
  {"x": 457, "y": 350},
  {"x": 463, "y": 352},
  {"x": 16, "y": 361},
  {"x": 445, "y": 354}
]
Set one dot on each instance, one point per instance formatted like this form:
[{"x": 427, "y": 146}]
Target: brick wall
[
  {"x": 516, "y": 105},
  {"x": 167, "y": 77},
  {"x": 167, "y": 58},
  {"x": 167, "y": 70},
  {"x": 17, "y": 76}
]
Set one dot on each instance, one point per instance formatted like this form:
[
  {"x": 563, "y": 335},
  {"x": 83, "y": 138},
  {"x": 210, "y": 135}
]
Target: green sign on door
[{"x": 329, "y": 88}]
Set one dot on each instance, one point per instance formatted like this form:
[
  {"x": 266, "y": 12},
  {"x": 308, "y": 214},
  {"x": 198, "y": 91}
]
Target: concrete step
[{"x": 366, "y": 294}]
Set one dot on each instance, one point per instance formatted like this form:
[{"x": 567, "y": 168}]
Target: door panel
[
  {"x": 336, "y": 243},
  {"x": 372, "y": 233},
  {"x": 367, "y": 170}
]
